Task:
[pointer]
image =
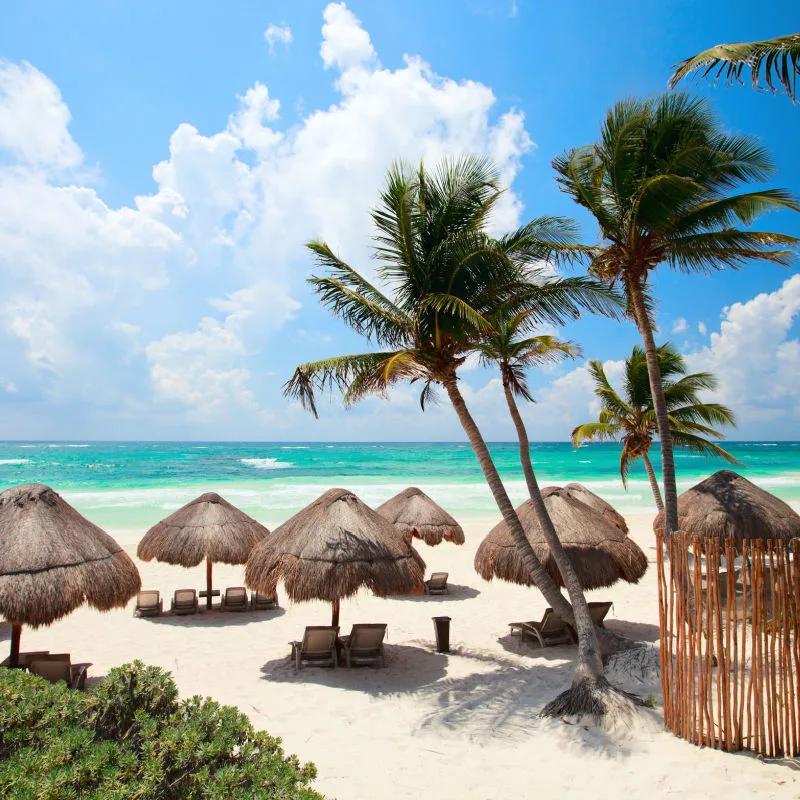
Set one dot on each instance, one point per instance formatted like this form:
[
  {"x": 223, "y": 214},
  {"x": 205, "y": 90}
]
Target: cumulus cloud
[
  {"x": 345, "y": 44},
  {"x": 275, "y": 34},
  {"x": 701, "y": 326},
  {"x": 679, "y": 326}
]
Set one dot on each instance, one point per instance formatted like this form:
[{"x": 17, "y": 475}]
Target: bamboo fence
[{"x": 730, "y": 643}]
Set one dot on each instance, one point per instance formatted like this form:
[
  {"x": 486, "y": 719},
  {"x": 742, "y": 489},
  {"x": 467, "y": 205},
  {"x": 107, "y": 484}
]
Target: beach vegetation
[
  {"x": 664, "y": 183},
  {"x": 445, "y": 277},
  {"x": 130, "y": 737},
  {"x": 629, "y": 416}
]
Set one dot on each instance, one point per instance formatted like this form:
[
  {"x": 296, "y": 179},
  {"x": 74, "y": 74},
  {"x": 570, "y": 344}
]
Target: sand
[{"x": 461, "y": 725}]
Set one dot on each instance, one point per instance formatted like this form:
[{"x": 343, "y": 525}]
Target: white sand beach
[{"x": 461, "y": 725}]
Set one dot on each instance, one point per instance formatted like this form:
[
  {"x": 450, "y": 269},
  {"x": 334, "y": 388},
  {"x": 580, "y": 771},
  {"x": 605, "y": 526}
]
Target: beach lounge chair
[
  {"x": 437, "y": 583},
  {"x": 148, "y": 604},
  {"x": 599, "y": 611},
  {"x": 235, "y": 599},
  {"x": 57, "y": 667},
  {"x": 263, "y": 602},
  {"x": 318, "y": 647},
  {"x": 550, "y": 631},
  {"x": 364, "y": 645},
  {"x": 185, "y": 601}
]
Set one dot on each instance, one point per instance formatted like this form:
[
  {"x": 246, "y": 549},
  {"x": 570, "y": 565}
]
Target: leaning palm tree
[
  {"x": 630, "y": 416},
  {"x": 780, "y": 58},
  {"x": 662, "y": 182},
  {"x": 446, "y": 276}
]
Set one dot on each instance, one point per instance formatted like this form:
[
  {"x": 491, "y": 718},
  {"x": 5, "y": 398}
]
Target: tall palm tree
[
  {"x": 780, "y": 58},
  {"x": 662, "y": 183},
  {"x": 630, "y": 416},
  {"x": 446, "y": 276}
]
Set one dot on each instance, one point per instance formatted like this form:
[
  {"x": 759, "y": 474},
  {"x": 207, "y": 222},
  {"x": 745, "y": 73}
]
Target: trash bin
[{"x": 442, "y": 627}]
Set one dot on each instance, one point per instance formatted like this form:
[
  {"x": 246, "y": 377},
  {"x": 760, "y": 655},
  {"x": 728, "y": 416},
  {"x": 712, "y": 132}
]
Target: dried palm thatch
[
  {"x": 209, "y": 528},
  {"x": 728, "y": 505},
  {"x": 597, "y": 503},
  {"x": 413, "y": 513},
  {"x": 331, "y": 549},
  {"x": 53, "y": 560},
  {"x": 600, "y": 552}
]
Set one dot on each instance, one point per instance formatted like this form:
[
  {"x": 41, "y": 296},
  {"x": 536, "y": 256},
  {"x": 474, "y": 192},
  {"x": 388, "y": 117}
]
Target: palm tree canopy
[
  {"x": 665, "y": 184},
  {"x": 446, "y": 276},
  {"x": 630, "y": 416},
  {"x": 780, "y": 58}
]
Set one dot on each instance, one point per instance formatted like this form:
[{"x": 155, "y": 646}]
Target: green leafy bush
[{"x": 130, "y": 739}]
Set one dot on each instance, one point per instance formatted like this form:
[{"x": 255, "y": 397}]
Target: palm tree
[
  {"x": 630, "y": 417},
  {"x": 446, "y": 277},
  {"x": 662, "y": 184},
  {"x": 780, "y": 58}
]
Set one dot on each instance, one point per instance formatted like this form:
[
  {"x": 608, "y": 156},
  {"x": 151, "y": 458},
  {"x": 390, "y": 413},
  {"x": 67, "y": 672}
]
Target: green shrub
[{"x": 130, "y": 739}]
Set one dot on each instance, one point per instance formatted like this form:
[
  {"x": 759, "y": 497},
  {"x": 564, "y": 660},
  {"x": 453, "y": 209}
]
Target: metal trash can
[{"x": 442, "y": 628}]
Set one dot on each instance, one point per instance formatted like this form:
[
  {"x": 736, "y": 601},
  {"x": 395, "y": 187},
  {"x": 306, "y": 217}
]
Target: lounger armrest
[{"x": 79, "y": 674}]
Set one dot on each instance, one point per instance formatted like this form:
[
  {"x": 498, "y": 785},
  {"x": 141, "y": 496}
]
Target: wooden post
[
  {"x": 335, "y": 615},
  {"x": 16, "y": 635},
  {"x": 209, "y": 597}
]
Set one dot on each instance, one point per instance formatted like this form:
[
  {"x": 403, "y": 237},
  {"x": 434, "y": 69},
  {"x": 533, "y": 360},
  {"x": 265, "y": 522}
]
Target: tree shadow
[
  {"x": 215, "y": 618},
  {"x": 407, "y": 669},
  {"x": 638, "y": 631},
  {"x": 457, "y": 591},
  {"x": 513, "y": 643}
]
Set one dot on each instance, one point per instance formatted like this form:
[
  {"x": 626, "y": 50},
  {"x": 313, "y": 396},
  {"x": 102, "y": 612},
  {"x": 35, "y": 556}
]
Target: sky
[{"x": 162, "y": 164}]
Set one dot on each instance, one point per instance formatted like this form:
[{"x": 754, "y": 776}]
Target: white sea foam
[
  {"x": 265, "y": 463},
  {"x": 78, "y": 445},
  {"x": 14, "y": 460},
  {"x": 295, "y": 447}
]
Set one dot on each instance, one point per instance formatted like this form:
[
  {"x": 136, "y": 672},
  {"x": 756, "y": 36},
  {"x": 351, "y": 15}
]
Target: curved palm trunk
[
  {"x": 657, "y": 391},
  {"x": 589, "y": 661},
  {"x": 653, "y": 482}
]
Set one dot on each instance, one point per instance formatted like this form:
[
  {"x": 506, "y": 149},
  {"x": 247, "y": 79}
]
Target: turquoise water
[{"x": 132, "y": 485}]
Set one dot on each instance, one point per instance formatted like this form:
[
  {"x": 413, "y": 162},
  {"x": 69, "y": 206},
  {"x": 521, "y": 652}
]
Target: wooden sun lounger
[
  {"x": 234, "y": 599},
  {"x": 263, "y": 602},
  {"x": 185, "y": 601},
  {"x": 56, "y": 667},
  {"x": 551, "y": 630},
  {"x": 148, "y": 604},
  {"x": 598, "y": 612},
  {"x": 318, "y": 647},
  {"x": 364, "y": 645},
  {"x": 437, "y": 583}
]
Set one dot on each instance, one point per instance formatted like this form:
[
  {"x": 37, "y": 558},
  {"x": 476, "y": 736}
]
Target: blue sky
[{"x": 161, "y": 165}]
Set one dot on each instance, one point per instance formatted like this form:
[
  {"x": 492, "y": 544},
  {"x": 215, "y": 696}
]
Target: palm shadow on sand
[{"x": 215, "y": 618}]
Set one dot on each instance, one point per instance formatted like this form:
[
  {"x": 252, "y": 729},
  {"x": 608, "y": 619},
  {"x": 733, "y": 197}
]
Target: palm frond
[
  {"x": 714, "y": 250},
  {"x": 698, "y": 444},
  {"x": 595, "y": 432}
]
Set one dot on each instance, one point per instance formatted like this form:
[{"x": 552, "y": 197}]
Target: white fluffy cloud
[
  {"x": 679, "y": 326},
  {"x": 183, "y": 294},
  {"x": 275, "y": 34}
]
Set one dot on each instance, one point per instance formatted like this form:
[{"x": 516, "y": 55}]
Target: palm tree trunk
[
  {"x": 543, "y": 581},
  {"x": 634, "y": 287},
  {"x": 589, "y": 661},
  {"x": 653, "y": 482}
]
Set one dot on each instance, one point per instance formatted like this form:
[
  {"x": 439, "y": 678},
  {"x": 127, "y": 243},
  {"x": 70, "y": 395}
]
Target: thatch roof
[
  {"x": 332, "y": 548},
  {"x": 52, "y": 559},
  {"x": 726, "y": 504},
  {"x": 599, "y": 551},
  {"x": 208, "y": 527},
  {"x": 413, "y": 513},
  {"x": 597, "y": 503}
]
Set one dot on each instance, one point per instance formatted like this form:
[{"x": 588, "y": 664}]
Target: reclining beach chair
[
  {"x": 598, "y": 612},
  {"x": 234, "y": 599},
  {"x": 364, "y": 645},
  {"x": 550, "y": 631},
  {"x": 263, "y": 602},
  {"x": 318, "y": 647},
  {"x": 437, "y": 583},
  {"x": 148, "y": 604},
  {"x": 56, "y": 667},
  {"x": 185, "y": 601}
]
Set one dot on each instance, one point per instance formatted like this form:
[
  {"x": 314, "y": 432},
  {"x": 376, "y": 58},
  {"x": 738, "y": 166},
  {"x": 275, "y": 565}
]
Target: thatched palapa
[
  {"x": 599, "y": 551},
  {"x": 52, "y": 560},
  {"x": 597, "y": 503},
  {"x": 728, "y": 505},
  {"x": 331, "y": 549},
  {"x": 413, "y": 513},
  {"x": 209, "y": 528}
]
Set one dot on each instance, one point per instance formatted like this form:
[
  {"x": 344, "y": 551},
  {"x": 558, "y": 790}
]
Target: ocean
[{"x": 129, "y": 486}]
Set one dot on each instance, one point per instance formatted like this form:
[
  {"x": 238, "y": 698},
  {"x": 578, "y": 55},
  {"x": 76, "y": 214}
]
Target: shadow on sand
[
  {"x": 458, "y": 591},
  {"x": 5, "y": 631},
  {"x": 215, "y": 618}
]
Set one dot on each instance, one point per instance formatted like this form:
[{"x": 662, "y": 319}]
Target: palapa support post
[
  {"x": 209, "y": 597},
  {"x": 335, "y": 616},
  {"x": 16, "y": 635}
]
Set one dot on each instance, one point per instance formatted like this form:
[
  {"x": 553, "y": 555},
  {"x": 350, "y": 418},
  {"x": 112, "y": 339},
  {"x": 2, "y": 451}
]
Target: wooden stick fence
[{"x": 730, "y": 643}]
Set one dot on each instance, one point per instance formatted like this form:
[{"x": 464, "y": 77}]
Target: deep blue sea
[{"x": 132, "y": 485}]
